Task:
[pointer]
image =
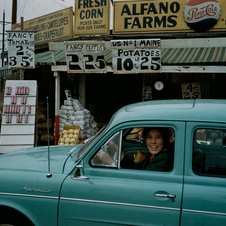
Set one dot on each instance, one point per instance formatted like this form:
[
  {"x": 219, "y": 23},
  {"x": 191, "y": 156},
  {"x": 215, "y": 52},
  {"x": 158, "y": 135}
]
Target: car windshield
[{"x": 88, "y": 142}]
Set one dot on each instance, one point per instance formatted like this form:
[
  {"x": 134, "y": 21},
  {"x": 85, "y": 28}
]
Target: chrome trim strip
[
  {"x": 26, "y": 195},
  {"x": 112, "y": 203},
  {"x": 119, "y": 203},
  {"x": 204, "y": 212}
]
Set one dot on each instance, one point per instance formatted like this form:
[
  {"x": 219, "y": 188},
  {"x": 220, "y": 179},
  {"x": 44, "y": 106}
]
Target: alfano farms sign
[
  {"x": 168, "y": 16},
  {"x": 136, "y": 56}
]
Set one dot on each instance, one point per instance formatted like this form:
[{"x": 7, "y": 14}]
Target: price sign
[
  {"x": 136, "y": 56},
  {"x": 147, "y": 93},
  {"x": 21, "y": 52},
  {"x": 191, "y": 90},
  {"x": 84, "y": 56}
]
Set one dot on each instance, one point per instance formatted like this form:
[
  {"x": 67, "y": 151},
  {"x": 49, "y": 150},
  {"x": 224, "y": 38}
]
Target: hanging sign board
[
  {"x": 147, "y": 93},
  {"x": 148, "y": 16},
  {"x": 136, "y": 56},
  {"x": 51, "y": 27},
  {"x": 191, "y": 90},
  {"x": 21, "y": 52},
  {"x": 85, "y": 56},
  {"x": 92, "y": 17}
]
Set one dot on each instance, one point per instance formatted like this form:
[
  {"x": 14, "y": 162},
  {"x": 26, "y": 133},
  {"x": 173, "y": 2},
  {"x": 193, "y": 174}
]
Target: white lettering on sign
[
  {"x": 85, "y": 56},
  {"x": 136, "y": 56},
  {"x": 21, "y": 49}
]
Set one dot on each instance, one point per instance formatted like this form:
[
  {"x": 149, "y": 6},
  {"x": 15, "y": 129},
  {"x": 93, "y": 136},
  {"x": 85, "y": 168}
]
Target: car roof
[{"x": 211, "y": 110}]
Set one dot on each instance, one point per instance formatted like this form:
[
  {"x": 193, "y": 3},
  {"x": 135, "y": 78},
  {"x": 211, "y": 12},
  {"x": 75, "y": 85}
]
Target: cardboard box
[{"x": 70, "y": 136}]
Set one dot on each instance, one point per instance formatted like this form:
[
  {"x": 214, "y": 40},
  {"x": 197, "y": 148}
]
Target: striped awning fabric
[
  {"x": 193, "y": 55},
  {"x": 170, "y": 56},
  {"x": 45, "y": 58}
]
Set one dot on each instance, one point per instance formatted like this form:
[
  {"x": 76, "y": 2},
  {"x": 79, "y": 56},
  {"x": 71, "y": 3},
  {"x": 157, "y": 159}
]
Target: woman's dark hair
[{"x": 164, "y": 131}]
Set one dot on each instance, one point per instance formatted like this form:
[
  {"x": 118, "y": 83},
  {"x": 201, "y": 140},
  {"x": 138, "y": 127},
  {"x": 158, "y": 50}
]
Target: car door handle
[
  {"x": 171, "y": 196},
  {"x": 80, "y": 178}
]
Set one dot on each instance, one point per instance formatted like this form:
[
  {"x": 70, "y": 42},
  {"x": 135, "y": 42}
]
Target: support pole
[
  {"x": 57, "y": 106},
  {"x": 14, "y": 12},
  {"x": 3, "y": 38}
]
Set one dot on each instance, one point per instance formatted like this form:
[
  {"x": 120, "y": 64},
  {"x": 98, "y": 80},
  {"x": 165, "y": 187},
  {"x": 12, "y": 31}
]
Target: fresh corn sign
[{"x": 92, "y": 17}]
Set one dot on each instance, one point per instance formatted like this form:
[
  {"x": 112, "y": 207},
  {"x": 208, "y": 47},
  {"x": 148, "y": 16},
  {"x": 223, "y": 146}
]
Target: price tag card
[
  {"x": 191, "y": 90},
  {"x": 21, "y": 47},
  {"x": 136, "y": 56},
  {"x": 85, "y": 56},
  {"x": 147, "y": 93}
]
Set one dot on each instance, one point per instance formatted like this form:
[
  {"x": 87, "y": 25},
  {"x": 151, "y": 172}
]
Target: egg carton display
[
  {"x": 70, "y": 135},
  {"x": 72, "y": 113}
]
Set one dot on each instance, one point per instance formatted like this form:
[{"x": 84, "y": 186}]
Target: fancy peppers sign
[
  {"x": 168, "y": 16},
  {"x": 136, "y": 56},
  {"x": 85, "y": 56}
]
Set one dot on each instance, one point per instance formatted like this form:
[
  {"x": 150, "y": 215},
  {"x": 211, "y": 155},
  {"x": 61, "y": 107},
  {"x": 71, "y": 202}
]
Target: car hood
[{"x": 62, "y": 159}]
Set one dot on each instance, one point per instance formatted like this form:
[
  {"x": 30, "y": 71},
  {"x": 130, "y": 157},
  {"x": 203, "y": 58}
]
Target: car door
[
  {"x": 106, "y": 195},
  {"x": 204, "y": 199}
]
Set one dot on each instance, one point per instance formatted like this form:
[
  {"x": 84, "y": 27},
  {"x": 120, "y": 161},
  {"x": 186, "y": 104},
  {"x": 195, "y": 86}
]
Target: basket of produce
[{"x": 70, "y": 135}]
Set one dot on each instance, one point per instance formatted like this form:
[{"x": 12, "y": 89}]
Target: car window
[
  {"x": 134, "y": 134},
  {"x": 209, "y": 152},
  {"x": 88, "y": 142},
  {"x": 138, "y": 148},
  {"x": 110, "y": 150}
]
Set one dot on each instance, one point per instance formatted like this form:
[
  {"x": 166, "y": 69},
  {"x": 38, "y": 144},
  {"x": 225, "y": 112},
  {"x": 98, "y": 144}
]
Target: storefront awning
[
  {"x": 193, "y": 55},
  {"x": 46, "y": 58},
  {"x": 170, "y": 56}
]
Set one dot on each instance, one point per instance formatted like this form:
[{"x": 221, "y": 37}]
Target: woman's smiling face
[{"x": 154, "y": 141}]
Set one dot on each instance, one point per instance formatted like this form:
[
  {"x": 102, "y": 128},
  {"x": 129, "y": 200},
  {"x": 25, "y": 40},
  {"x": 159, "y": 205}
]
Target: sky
[{"x": 29, "y": 9}]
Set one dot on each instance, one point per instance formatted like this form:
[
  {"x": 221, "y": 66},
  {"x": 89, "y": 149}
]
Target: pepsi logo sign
[{"x": 202, "y": 15}]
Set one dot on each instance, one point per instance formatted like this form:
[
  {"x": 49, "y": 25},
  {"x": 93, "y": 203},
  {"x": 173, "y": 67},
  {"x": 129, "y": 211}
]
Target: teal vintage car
[{"x": 69, "y": 185}]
